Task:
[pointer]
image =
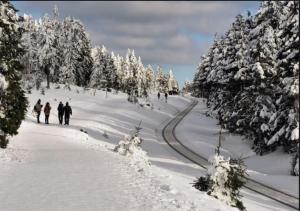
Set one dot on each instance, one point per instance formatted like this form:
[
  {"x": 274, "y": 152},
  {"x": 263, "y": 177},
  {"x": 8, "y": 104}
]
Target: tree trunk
[
  {"x": 3, "y": 141},
  {"x": 48, "y": 81}
]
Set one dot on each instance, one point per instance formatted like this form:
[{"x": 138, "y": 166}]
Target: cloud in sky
[{"x": 161, "y": 32}]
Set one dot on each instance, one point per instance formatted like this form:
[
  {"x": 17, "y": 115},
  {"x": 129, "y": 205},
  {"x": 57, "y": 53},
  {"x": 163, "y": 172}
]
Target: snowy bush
[
  {"x": 130, "y": 146},
  {"x": 130, "y": 143},
  {"x": 224, "y": 179}
]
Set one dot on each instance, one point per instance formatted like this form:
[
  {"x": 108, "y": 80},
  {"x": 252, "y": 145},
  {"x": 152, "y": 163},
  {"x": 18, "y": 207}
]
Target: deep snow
[{"x": 53, "y": 167}]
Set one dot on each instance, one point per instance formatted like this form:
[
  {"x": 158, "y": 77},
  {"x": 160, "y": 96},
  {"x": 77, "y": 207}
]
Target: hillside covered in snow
[{"x": 74, "y": 167}]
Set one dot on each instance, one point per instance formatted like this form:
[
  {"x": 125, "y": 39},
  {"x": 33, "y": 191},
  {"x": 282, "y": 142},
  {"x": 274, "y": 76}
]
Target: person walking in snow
[
  {"x": 38, "y": 108},
  {"x": 158, "y": 95},
  {"x": 47, "y": 110},
  {"x": 67, "y": 112},
  {"x": 166, "y": 96},
  {"x": 60, "y": 110}
]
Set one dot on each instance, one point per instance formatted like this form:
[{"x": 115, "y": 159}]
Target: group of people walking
[
  {"x": 62, "y": 111},
  {"x": 166, "y": 96}
]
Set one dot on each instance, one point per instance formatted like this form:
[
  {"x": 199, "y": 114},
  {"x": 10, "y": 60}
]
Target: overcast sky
[{"x": 170, "y": 34}]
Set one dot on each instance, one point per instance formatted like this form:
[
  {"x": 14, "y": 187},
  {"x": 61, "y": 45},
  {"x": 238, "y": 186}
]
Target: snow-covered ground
[
  {"x": 57, "y": 167},
  {"x": 201, "y": 133}
]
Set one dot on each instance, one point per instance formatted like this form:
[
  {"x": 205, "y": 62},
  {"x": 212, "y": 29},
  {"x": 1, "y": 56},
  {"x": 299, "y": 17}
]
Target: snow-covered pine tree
[
  {"x": 161, "y": 80},
  {"x": 149, "y": 80},
  {"x": 131, "y": 143},
  {"x": 32, "y": 75},
  {"x": 111, "y": 73},
  {"x": 82, "y": 47},
  {"x": 244, "y": 76},
  {"x": 68, "y": 68},
  {"x": 13, "y": 103},
  {"x": 122, "y": 66},
  {"x": 187, "y": 86},
  {"x": 56, "y": 27},
  {"x": 286, "y": 120},
  {"x": 104, "y": 74},
  {"x": 141, "y": 79},
  {"x": 117, "y": 80},
  {"x": 131, "y": 72},
  {"x": 172, "y": 83},
  {"x": 224, "y": 179},
  {"x": 99, "y": 58},
  {"x": 75, "y": 45},
  {"x": 48, "y": 50},
  {"x": 263, "y": 51},
  {"x": 200, "y": 87},
  {"x": 227, "y": 177}
]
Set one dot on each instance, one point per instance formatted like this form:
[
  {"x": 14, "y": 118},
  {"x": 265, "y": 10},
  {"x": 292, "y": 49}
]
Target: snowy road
[{"x": 169, "y": 136}]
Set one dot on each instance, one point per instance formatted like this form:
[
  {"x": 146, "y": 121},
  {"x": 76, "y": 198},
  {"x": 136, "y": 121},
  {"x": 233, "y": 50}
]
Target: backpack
[{"x": 34, "y": 108}]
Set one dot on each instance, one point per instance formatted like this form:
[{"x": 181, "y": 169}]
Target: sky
[{"x": 171, "y": 34}]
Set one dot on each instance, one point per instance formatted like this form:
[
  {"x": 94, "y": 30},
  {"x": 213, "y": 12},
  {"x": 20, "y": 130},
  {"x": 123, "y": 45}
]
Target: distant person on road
[
  {"x": 166, "y": 96},
  {"x": 38, "y": 108},
  {"x": 47, "y": 110},
  {"x": 60, "y": 110},
  {"x": 158, "y": 95},
  {"x": 67, "y": 112}
]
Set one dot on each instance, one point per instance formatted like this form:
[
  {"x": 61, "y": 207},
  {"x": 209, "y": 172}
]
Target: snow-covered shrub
[
  {"x": 224, "y": 179},
  {"x": 130, "y": 143},
  {"x": 130, "y": 146}
]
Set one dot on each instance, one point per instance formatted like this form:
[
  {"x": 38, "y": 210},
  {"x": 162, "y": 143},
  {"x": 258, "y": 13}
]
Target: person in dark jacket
[
  {"x": 158, "y": 95},
  {"x": 47, "y": 110},
  {"x": 166, "y": 96},
  {"x": 60, "y": 110},
  {"x": 38, "y": 108},
  {"x": 67, "y": 112}
]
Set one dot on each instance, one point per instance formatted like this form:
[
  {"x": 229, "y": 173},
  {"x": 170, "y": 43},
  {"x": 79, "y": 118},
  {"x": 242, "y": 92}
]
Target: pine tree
[
  {"x": 13, "y": 103},
  {"x": 58, "y": 57},
  {"x": 31, "y": 74},
  {"x": 104, "y": 74},
  {"x": 48, "y": 48},
  {"x": 172, "y": 83},
  {"x": 149, "y": 79},
  {"x": 131, "y": 72},
  {"x": 77, "y": 65},
  {"x": 224, "y": 179},
  {"x": 99, "y": 64},
  {"x": 111, "y": 73},
  {"x": 161, "y": 80},
  {"x": 285, "y": 121}
]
